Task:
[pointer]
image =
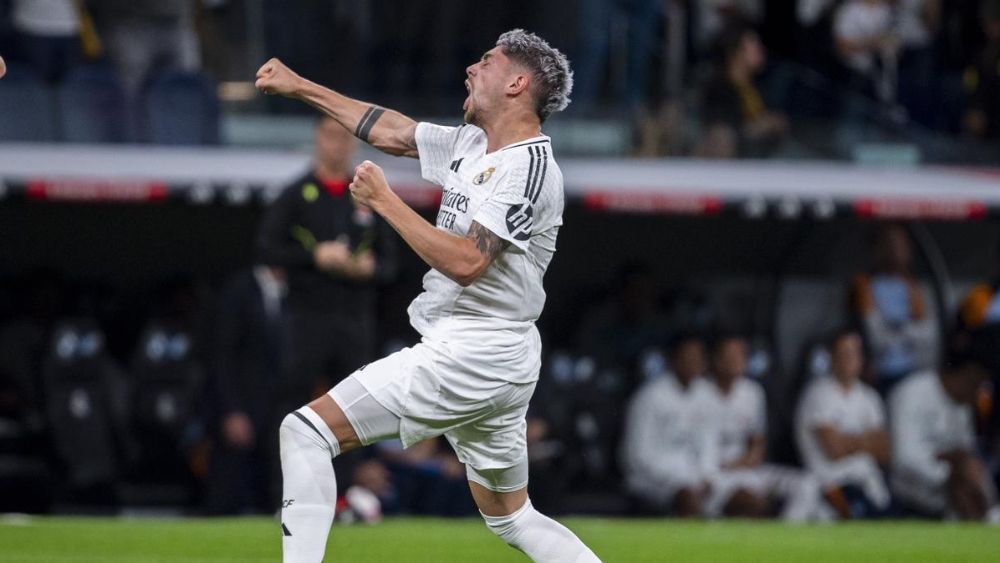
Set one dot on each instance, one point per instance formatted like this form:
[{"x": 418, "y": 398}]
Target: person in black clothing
[
  {"x": 335, "y": 253},
  {"x": 248, "y": 355},
  {"x": 735, "y": 120}
]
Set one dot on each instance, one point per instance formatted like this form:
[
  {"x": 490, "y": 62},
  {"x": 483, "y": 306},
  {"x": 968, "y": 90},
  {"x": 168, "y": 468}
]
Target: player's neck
[{"x": 510, "y": 128}]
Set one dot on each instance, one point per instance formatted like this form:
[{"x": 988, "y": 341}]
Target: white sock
[
  {"x": 541, "y": 538},
  {"x": 310, "y": 487}
]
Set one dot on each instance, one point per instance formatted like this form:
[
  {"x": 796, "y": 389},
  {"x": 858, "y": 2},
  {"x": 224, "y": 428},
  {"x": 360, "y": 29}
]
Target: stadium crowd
[{"x": 715, "y": 78}]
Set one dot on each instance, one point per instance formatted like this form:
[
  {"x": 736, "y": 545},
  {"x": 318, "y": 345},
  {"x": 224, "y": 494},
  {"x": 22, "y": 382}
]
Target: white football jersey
[
  {"x": 741, "y": 415},
  {"x": 825, "y": 402},
  {"x": 669, "y": 428},
  {"x": 517, "y": 193},
  {"x": 926, "y": 422}
]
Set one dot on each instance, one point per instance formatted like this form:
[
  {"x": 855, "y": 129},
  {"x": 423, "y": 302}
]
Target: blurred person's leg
[
  {"x": 687, "y": 503},
  {"x": 969, "y": 489},
  {"x": 643, "y": 23},
  {"x": 798, "y": 490},
  {"x": 50, "y": 56},
  {"x": 745, "y": 503},
  {"x": 591, "y": 53},
  {"x": 918, "y": 84},
  {"x": 735, "y": 494}
]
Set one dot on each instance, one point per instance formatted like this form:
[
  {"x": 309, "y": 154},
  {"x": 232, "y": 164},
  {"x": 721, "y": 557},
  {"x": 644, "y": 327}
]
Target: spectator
[
  {"x": 745, "y": 484},
  {"x": 736, "y": 121},
  {"x": 596, "y": 17},
  {"x": 248, "y": 359},
  {"x": 916, "y": 25},
  {"x": 815, "y": 19},
  {"x": 669, "y": 438},
  {"x": 617, "y": 331},
  {"x": 982, "y": 118},
  {"x": 713, "y": 16},
  {"x": 888, "y": 302},
  {"x": 335, "y": 252},
  {"x": 864, "y": 38},
  {"x": 146, "y": 35},
  {"x": 935, "y": 468},
  {"x": 840, "y": 431},
  {"x": 48, "y": 35}
]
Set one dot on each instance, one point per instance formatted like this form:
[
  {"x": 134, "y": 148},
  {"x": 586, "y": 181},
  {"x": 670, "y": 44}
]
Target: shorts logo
[
  {"x": 484, "y": 176},
  {"x": 520, "y": 220}
]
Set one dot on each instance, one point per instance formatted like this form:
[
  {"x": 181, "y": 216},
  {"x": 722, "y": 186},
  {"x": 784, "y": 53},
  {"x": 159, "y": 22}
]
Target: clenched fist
[
  {"x": 276, "y": 78},
  {"x": 369, "y": 186}
]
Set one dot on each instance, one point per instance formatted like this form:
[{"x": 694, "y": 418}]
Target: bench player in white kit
[{"x": 473, "y": 373}]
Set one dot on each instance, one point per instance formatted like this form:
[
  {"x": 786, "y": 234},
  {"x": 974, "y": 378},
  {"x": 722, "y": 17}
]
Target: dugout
[{"x": 767, "y": 247}]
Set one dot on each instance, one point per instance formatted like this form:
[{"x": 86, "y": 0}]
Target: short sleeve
[
  {"x": 435, "y": 148},
  {"x": 508, "y": 212}
]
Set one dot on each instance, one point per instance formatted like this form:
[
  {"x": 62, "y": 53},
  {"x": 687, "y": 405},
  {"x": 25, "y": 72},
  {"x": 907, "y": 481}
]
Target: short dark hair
[
  {"x": 723, "y": 336},
  {"x": 683, "y": 337},
  {"x": 841, "y": 333}
]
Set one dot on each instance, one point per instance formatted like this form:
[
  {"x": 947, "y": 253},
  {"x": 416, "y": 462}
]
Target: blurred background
[{"x": 766, "y": 173}]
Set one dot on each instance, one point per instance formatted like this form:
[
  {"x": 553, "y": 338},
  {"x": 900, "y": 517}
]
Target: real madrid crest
[{"x": 483, "y": 176}]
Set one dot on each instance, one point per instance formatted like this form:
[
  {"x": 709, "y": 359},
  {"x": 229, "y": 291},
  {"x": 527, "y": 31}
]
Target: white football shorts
[{"x": 433, "y": 389}]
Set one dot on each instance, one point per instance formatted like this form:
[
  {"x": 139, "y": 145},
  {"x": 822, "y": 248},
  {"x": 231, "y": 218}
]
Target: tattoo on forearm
[
  {"x": 367, "y": 122},
  {"x": 487, "y": 242}
]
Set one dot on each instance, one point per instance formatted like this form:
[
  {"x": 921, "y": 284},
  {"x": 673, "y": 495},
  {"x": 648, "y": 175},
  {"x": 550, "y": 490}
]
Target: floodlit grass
[{"x": 55, "y": 540}]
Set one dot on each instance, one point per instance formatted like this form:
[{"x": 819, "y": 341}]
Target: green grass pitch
[{"x": 56, "y": 540}]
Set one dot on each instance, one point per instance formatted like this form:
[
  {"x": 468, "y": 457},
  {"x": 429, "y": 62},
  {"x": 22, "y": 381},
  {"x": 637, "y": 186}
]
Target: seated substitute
[
  {"x": 745, "y": 484},
  {"x": 667, "y": 444},
  {"x": 935, "y": 468},
  {"x": 840, "y": 430}
]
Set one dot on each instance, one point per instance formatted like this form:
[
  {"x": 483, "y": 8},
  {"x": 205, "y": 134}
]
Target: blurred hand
[
  {"x": 362, "y": 267},
  {"x": 3, "y": 67},
  {"x": 276, "y": 78},
  {"x": 369, "y": 186},
  {"x": 332, "y": 256},
  {"x": 238, "y": 430}
]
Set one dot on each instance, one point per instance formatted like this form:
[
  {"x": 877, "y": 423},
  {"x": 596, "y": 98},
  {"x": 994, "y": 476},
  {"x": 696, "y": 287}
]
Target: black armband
[{"x": 367, "y": 122}]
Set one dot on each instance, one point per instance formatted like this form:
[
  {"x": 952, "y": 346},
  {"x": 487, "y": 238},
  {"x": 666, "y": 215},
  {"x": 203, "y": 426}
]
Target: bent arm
[
  {"x": 462, "y": 259},
  {"x": 837, "y": 445}
]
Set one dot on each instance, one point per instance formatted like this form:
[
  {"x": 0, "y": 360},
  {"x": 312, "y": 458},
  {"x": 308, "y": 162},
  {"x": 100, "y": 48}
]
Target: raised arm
[{"x": 387, "y": 130}]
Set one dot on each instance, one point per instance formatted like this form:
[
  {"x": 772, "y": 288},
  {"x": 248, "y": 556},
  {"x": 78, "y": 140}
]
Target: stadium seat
[
  {"x": 182, "y": 109},
  {"x": 93, "y": 106},
  {"x": 79, "y": 386},
  {"x": 33, "y": 118},
  {"x": 165, "y": 388}
]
